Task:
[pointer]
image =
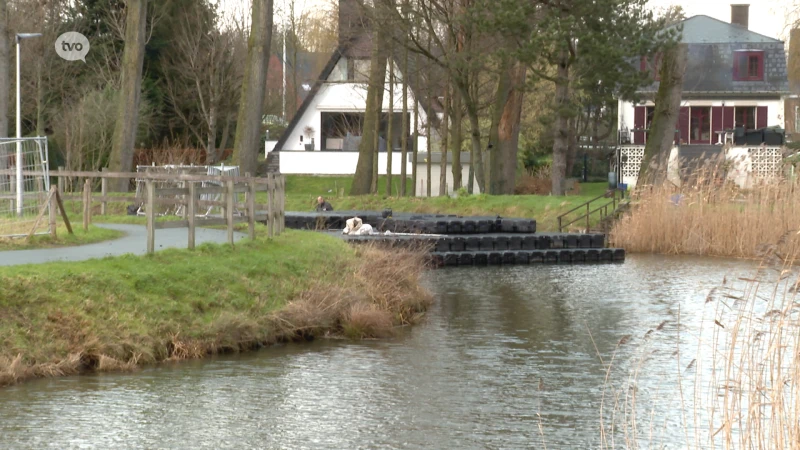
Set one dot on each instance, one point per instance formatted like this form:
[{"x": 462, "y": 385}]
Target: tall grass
[
  {"x": 706, "y": 217},
  {"x": 741, "y": 385}
]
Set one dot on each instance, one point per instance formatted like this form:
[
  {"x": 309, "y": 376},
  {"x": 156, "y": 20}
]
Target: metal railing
[{"x": 617, "y": 197}]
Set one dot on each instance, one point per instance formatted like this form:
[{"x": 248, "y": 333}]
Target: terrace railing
[{"x": 599, "y": 208}]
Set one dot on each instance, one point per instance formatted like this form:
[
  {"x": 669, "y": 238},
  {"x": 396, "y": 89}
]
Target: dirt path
[{"x": 134, "y": 241}]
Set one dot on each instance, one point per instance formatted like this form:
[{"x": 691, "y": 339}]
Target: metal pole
[{"x": 19, "y": 143}]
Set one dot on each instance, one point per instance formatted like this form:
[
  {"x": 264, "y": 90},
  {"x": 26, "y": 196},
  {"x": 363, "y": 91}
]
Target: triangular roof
[
  {"x": 343, "y": 50},
  {"x": 708, "y": 30}
]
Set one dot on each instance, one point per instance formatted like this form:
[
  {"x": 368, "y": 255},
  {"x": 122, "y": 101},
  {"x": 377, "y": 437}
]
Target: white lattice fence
[
  {"x": 22, "y": 197},
  {"x": 766, "y": 162},
  {"x": 632, "y": 159}
]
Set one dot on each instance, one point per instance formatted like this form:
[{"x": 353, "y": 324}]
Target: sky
[{"x": 769, "y": 17}]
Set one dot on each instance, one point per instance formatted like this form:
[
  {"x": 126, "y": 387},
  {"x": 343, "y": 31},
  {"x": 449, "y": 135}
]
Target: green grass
[
  {"x": 302, "y": 191},
  {"x": 132, "y": 307},
  {"x": 63, "y": 239}
]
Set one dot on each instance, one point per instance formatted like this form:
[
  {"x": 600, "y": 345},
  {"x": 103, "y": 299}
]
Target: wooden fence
[{"x": 272, "y": 213}]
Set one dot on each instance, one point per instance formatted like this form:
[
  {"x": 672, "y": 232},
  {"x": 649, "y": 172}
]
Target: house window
[
  {"x": 358, "y": 70},
  {"x": 748, "y": 66},
  {"x": 745, "y": 116}
]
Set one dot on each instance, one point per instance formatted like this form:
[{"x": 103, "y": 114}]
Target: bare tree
[
  {"x": 130, "y": 90},
  {"x": 251, "y": 105},
  {"x": 202, "y": 77}
]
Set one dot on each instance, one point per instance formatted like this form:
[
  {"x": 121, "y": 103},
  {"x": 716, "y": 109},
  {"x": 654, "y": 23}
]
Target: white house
[
  {"x": 735, "y": 79},
  {"x": 323, "y": 137}
]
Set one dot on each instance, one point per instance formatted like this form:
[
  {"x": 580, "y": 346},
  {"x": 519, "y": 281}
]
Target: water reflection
[{"x": 508, "y": 358}]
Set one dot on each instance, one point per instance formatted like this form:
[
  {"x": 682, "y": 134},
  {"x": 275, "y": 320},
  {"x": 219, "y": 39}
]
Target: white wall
[
  {"x": 333, "y": 163},
  {"x": 422, "y": 179}
]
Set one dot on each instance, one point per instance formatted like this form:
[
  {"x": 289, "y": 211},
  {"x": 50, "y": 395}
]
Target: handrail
[{"x": 587, "y": 205}]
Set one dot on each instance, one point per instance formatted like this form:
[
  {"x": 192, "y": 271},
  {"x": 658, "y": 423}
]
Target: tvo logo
[{"x": 72, "y": 46}]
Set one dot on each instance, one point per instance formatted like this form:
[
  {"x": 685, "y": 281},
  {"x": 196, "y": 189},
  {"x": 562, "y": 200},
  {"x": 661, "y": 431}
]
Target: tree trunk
[
  {"x": 667, "y": 108},
  {"x": 404, "y": 127},
  {"x": 457, "y": 139},
  {"x": 505, "y": 128},
  {"x": 389, "y": 135},
  {"x": 415, "y": 146},
  {"x": 572, "y": 146},
  {"x": 211, "y": 140},
  {"x": 561, "y": 144},
  {"x": 363, "y": 181},
  {"x": 5, "y": 62},
  {"x": 127, "y": 123},
  {"x": 251, "y": 104},
  {"x": 224, "y": 142},
  {"x": 429, "y": 142},
  {"x": 476, "y": 153},
  {"x": 444, "y": 133}
]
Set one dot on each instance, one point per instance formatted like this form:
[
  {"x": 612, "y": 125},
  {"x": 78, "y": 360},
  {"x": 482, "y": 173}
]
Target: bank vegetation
[
  {"x": 120, "y": 313},
  {"x": 708, "y": 217}
]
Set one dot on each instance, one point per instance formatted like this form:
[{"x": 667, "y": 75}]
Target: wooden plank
[
  {"x": 52, "y": 208},
  {"x": 87, "y": 187},
  {"x": 229, "y": 210},
  {"x": 64, "y": 216},
  {"x": 103, "y": 194},
  {"x": 151, "y": 216},
  {"x": 171, "y": 224},
  {"x": 171, "y": 191},
  {"x": 141, "y": 176},
  {"x": 251, "y": 211},
  {"x": 282, "y": 210},
  {"x": 190, "y": 212},
  {"x": 270, "y": 206},
  {"x": 61, "y": 181},
  {"x": 40, "y": 216}
]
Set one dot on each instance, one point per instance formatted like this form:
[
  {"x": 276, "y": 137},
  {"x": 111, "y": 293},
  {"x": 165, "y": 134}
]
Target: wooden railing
[
  {"x": 590, "y": 209},
  {"x": 187, "y": 195}
]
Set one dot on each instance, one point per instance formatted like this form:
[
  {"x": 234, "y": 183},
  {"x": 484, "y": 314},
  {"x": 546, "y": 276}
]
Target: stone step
[{"x": 528, "y": 257}]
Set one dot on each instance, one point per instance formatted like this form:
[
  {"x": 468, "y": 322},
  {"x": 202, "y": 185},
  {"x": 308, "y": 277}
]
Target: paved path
[{"x": 134, "y": 241}]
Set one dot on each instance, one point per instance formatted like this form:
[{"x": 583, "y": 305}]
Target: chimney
[
  {"x": 740, "y": 15},
  {"x": 350, "y": 20}
]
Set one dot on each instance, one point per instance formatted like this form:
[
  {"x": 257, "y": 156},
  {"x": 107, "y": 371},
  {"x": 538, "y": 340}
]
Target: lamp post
[{"x": 20, "y": 36}]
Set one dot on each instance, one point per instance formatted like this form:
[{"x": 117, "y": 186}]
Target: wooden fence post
[
  {"x": 87, "y": 207},
  {"x": 151, "y": 216},
  {"x": 279, "y": 201},
  {"x": 270, "y": 205},
  {"x": 104, "y": 193},
  {"x": 251, "y": 209},
  {"x": 53, "y": 209},
  {"x": 190, "y": 212},
  {"x": 61, "y": 180},
  {"x": 229, "y": 209}
]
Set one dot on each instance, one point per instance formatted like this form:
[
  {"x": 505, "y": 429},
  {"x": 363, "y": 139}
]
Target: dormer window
[{"x": 748, "y": 65}]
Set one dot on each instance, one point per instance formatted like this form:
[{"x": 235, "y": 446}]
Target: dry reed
[
  {"x": 742, "y": 382},
  {"x": 707, "y": 217}
]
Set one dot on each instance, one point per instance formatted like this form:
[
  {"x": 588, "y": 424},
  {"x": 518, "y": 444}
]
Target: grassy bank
[
  {"x": 302, "y": 191},
  {"x": 118, "y": 313},
  {"x": 708, "y": 219},
  {"x": 63, "y": 239}
]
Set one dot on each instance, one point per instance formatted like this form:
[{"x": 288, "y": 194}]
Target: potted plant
[{"x": 309, "y": 132}]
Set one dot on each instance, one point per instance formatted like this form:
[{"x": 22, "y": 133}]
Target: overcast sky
[{"x": 768, "y": 17}]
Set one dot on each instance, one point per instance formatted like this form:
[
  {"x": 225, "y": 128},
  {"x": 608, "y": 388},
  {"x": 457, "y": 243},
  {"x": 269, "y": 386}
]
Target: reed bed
[
  {"x": 737, "y": 377},
  {"x": 708, "y": 217}
]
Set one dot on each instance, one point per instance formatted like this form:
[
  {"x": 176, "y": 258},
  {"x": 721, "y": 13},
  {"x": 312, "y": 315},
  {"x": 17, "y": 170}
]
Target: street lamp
[{"x": 20, "y": 36}]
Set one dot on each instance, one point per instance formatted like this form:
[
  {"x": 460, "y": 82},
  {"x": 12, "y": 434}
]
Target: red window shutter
[
  {"x": 736, "y": 57},
  {"x": 642, "y": 63},
  {"x": 683, "y": 124},
  {"x": 639, "y": 115},
  {"x": 761, "y": 117},
  {"x": 727, "y": 118},
  {"x": 716, "y": 122}
]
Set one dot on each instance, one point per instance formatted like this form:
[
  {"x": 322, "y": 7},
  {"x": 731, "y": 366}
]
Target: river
[{"x": 507, "y": 357}]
